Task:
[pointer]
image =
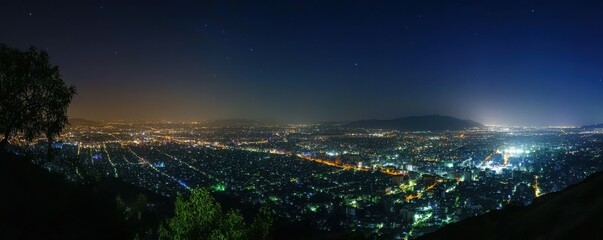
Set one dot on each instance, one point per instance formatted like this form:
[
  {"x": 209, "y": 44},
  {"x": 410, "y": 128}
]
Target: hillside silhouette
[
  {"x": 37, "y": 204},
  {"x": 594, "y": 126},
  {"x": 574, "y": 212},
  {"x": 418, "y": 123}
]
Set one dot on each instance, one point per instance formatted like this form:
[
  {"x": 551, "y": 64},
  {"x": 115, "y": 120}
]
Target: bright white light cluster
[{"x": 514, "y": 152}]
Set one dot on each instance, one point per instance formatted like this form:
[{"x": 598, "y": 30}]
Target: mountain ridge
[
  {"x": 418, "y": 123},
  {"x": 593, "y": 126}
]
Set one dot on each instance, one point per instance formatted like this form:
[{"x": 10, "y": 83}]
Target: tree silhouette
[
  {"x": 262, "y": 223},
  {"x": 199, "y": 216},
  {"x": 34, "y": 96}
]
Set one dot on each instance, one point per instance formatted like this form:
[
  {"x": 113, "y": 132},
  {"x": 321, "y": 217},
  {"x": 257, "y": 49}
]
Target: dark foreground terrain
[
  {"x": 574, "y": 213},
  {"x": 36, "y": 204}
]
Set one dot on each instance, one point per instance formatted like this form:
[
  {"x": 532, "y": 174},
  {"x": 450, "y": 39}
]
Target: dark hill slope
[
  {"x": 574, "y": 213},
  {"x": 82, "y": 122},
  {"x": 36, "y": 204},
  {"x": 418, "y": 123}
]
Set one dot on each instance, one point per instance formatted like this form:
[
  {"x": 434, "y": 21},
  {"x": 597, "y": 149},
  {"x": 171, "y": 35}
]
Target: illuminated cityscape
[
  {"x": 383, "y": 183},
  {"x": 329, "y": 120}
]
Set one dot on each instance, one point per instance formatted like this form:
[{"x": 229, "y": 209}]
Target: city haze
[{"x": 511, "y": 63}]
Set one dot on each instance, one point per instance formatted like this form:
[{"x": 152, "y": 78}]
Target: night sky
[{"x": 496, "y": 62}]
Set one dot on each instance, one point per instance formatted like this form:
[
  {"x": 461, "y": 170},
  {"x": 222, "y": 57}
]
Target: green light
[{"x": 219, "y": 187}]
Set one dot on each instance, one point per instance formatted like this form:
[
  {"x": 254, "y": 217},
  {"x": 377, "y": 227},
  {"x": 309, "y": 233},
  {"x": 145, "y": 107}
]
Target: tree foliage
[
  {"x": 33, "y": 96},
  {"x": 262, "y": 223},
  {"x": 199, "y": 216}
]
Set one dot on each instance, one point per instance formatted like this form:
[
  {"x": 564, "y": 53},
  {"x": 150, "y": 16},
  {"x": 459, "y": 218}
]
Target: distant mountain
[
  {"x": 234, "y": 120},
  {"x": 600, "y": 125},
  {"x": 573, "y": 213},
  {"x": 231, "y": 122},
  {"x": 82, "y": 122},
  {"x": 418, "y": 123}
]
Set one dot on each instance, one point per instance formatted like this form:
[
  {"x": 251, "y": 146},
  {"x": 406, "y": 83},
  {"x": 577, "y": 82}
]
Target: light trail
[
  {"x": 413, "y": 196},
  {"x": 487, "y": 158},
  {"x": 91, "y": 157},
  {"x": 110, "y": 162},
  {"x": 147, "y": 163},
  {"x": 466, "y": 162},
  {"x": 186, "y": 164},
  {"x": 418, "y": 220},
  {"x": 387, "y": 171},
  {"x": 432, "y": 186},
  {"x": 506, "y": 159},
  {"x": 419, "y": 194},
  {"x": 537, "y": 190},
  {"x": 143, "y": 162},
  {"x": 128, "y": 161}
]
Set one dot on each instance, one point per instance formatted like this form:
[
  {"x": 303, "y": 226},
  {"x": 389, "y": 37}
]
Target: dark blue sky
[{"x": 497, "y": 62}]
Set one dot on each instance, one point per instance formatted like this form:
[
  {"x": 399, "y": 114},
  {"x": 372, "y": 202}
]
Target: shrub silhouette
[{"x": 199, "y": 216}]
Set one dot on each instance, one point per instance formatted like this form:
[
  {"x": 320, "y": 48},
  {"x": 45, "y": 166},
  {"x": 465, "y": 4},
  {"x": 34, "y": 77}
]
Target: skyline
[
  {"x": 338, "y": 180},
  {"x": 278, "y": 122},
  {"x": 521, "y": 63}
]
